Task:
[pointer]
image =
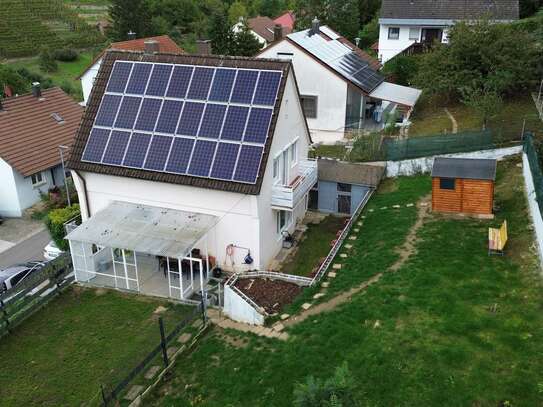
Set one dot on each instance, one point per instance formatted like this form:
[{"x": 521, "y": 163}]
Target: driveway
[{"x": 28, "y": 249}]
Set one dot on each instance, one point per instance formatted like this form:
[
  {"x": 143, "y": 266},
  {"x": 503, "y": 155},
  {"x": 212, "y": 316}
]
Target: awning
[
  {"x": 391, "y": 92},
  {"x": 145, "y": 229}
]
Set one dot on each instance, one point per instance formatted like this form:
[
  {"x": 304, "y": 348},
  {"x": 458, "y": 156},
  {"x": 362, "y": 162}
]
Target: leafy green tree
[
  {"x": 369, "y": 33},
  {"x": 160, "y": 25},
  {"x": 221, "y": 35},
  {"x": 487, "y": 103},
  {"x": 236, "y": 10},
  {"x": 47, "y": 61},
  {"x": 529, "y": 7},
  {"x": 272, "y": 8},
  {"x": 129, "y": 15},
  {"x": 368, "y": 10},
  {"x": 245, "y": 43},
  {"x": 10, "y": 77},
  {"x": 182, "y": 14},
  {"x": 401, "y": 69},
  {"x": 344, "y": 16}
]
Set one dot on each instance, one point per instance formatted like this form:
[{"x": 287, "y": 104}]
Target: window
[
  {"x": 294, "y": 153},
  {"x": 37, "y": 179},
  {"x": 394, "y": 33},
  {"x": 341, "y": 187},
  {"x": 309, "y": 104},
  {"x": 283, "y": 220},
  {"x": 414, "y": 34},
  {"x": 447, "y": 183},
  {"x": 285, "y": 55},
  {"x": 276, "y": 167}
]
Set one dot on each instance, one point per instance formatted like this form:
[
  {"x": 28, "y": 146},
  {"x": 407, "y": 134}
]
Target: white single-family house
[
  {"x": 162, "y": 43},
  {"x": 33, "y": 127},
  {"x": 407, "y": 23},
  {"x": 340, "y": 85},
  {"x": 184, "y": 163}
]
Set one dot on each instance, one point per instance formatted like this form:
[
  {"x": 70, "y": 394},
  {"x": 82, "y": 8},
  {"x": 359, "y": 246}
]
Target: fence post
[
  {"x": 203, "y": 307},
  {"x": 163, "y": 341},
  {"x": 104, "y": 398}
]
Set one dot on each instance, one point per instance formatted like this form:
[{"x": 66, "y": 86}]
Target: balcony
[{"x": 286, "y": 197}]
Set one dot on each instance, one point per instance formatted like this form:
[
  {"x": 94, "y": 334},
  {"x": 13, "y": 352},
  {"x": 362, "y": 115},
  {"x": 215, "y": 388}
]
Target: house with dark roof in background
[
  {"x": 405, "y": 23},
  {"x": 342, "y": 91},
  {"x": 32, "y": 129},
  {"x": 265, "y": 29},
  {"x": 183, "y": 163},
  {"x": 162, "y": 43}
]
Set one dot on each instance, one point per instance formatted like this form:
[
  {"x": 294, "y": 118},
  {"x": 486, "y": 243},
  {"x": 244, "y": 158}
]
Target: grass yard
[
  {"x": 452, "y": 327},
  {"x": 84, "y": 338},
  {"x": 67, "y": 71},
  {"x": 430, "y": 118},
  {"x": 331, "y": 151},
  {"x": 315, "y": 245}
]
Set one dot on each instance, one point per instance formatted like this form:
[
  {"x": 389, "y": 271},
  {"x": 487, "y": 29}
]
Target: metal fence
[
  {"x": 109, "y": 395},
  {"x": 530, "y": 149},
  {"x": 34, "y": 292}
]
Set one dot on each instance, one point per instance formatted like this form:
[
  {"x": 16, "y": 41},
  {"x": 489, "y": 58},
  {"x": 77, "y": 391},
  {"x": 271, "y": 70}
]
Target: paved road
[{"x": 29, "y": 249}]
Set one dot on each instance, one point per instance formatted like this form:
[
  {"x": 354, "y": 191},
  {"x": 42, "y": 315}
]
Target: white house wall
[
  {"x": 9, "y": 200},
  {"x": 29, "y": 194},
  {"x": 87, "y": 80},
  {"x": 316, "y": 80}
]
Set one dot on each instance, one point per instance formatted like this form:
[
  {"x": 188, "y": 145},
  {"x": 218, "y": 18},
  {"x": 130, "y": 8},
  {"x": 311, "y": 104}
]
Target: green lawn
[
  {"x": 67, "y": 71},
  {"x": 426, "y": 335},
  {"x": 84, "y": 338},
  {"x": 315, "y": 245},
  {"x": 329, "y": 151}
]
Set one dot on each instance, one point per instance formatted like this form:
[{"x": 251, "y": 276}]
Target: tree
[
  {"x": 245, "y": 43},
  {"x": 272, "y": 8},
  {"x": 487, "y": 103},
  {"x": 368, "y": 10},
  {"x": 181, "y": 14},
  {"x": 401, "y": 69},
  {"x": 10, "y": 77},
  {"x": 47, "y": 61},
  {"x": 529, "y": 7},
  {"x": 369, "y": 33},
  {"x": 221, "y": 34},
  {"x": 129, "y": 15},
  {"x": 344, "y": 16},
  {"x": 236, "y": 11}
]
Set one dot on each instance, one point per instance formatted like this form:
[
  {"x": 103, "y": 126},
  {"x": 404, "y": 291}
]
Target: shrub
[
  {"x": 65, "y": 55},
  {"x": 31, "y": 76},
  {"x": 47, "y": 61},
  {"x": 55, "y": 224},
  {"x": 335, "y": 391}
]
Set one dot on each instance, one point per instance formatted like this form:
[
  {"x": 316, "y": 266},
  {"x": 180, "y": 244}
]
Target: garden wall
[
  {"x": 424, "y": 164},
  {"x": 238, "y": 309},
  {"x": 533, "y": 205}
]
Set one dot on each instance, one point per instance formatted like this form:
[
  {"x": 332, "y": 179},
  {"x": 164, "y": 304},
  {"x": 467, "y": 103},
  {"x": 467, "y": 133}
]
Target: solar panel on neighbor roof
[{"x": 191, "y": 120}]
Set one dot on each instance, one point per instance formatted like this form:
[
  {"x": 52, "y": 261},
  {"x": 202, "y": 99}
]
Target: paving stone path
[
  {"x": 226, "y": 323},
  {"x": 453, "y": 121}
]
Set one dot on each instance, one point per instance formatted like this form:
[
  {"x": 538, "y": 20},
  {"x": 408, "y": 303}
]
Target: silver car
[{"x": 14, "y": 275}]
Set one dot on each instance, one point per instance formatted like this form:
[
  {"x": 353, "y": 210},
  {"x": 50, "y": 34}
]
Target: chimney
[
  {"x": 36, "y": 89},
  {"x": 203, "y": 47},
  {"x": 315, "y": 26},
  {"x": 151, "y": 47},
  {"x": 131, "y": 35},
  {"x": 357, "y": 41},
  {"x": 277, "y": 32}
]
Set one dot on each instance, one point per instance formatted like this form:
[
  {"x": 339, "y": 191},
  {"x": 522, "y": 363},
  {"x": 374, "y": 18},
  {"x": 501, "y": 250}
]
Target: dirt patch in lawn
[{"x": 272, "y": 295}]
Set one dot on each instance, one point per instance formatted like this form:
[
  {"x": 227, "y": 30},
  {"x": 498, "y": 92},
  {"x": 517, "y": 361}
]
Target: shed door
[{"x": 477, "y": 197}]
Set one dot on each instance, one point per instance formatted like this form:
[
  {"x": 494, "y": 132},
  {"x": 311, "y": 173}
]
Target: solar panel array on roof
[
  {"x": 201, "y": 121},
  {"x": 339, "y": 57}
]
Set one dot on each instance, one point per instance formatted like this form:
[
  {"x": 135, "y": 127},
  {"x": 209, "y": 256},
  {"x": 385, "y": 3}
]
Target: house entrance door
[{"x": 344, "y": 204}]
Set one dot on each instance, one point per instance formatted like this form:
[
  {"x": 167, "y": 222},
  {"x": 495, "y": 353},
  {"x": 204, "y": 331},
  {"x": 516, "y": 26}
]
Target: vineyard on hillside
[{"x": 26, "y": 26}]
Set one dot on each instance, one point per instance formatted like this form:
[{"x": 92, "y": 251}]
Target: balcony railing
[{"x": 288, "y": 196}]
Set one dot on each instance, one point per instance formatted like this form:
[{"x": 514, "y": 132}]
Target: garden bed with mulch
[{"x": 272, "y": 295}]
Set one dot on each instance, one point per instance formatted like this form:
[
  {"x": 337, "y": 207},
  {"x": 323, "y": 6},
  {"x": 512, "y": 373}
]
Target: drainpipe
[{"x": 85, "y": 195}]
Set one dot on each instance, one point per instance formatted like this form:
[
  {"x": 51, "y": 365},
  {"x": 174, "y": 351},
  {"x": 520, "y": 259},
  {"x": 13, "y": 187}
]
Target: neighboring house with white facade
[
  {"x": 198, "y": 160},
  {"x": 32, "y": 127},
  {"x": 403, "y": 23},
  {"x": 162, "y": 43},
  {"x": 264, "y": 29},
  {"x": 340, "y": 85}
]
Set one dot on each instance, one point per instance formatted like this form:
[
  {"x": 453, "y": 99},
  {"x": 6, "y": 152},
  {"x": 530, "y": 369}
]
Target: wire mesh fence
[{"x": 531, "y": 150}]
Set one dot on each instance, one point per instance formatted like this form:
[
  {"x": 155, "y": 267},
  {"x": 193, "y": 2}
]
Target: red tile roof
[
  {"x": 30, "y": 136},
  {"x": 165, "y": 46},
  {"x": 263, "y": 26},
  {"x": 286, "y": 20}
]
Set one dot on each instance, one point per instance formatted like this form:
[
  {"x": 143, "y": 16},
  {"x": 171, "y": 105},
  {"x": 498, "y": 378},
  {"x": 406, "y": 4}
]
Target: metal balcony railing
[{"x": 288, "y": 196}]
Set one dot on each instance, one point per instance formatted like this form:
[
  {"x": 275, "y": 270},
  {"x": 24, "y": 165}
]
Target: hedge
[{"x": 55, "y": 221}]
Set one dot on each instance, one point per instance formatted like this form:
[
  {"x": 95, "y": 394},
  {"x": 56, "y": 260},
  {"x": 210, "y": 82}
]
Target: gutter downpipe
[{"x": 84, "y": 185}]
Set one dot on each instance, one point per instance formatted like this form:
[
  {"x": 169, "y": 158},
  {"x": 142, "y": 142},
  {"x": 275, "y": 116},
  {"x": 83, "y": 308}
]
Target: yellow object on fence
[{"x": 497, "y": 238}]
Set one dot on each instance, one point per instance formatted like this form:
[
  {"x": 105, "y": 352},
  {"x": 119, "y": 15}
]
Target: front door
[{"x": 344, "y": 204}]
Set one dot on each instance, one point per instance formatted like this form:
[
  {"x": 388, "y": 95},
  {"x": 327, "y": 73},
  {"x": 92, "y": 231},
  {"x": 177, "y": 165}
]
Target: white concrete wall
[
  {"x": 424, "y": 164},
  {"x": 9, "y": 199},
  {"x": 535, "y": 213},
  {"x": 87, "y": 80},
  {"x": 316, "y": 80},
  {"x": 239, "y": 310},
  {"x": 290, "y": 126}
]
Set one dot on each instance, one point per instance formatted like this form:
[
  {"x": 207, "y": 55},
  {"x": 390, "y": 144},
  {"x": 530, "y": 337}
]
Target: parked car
[
  {"x": 14, "y": 275},
  {"x": 51, "y": 251}
]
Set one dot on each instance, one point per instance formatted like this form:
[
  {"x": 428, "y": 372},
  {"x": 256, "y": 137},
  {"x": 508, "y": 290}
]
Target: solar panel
[
  {"x": 158, "y": 153},
  {"x": 250, "y": 156},
  {"x": 116, "y": 147},
  {"x": 212, "y": 121},
  {"x": 234, "y": 123},
  {"x": 201, "y": 81},
  {"x": 225, "y": 160},
  {"x": 137, "y": 149},
  {"x": 258, "y": 125},
  {"x": 119, "y": 77},
  {"x": 95, "y": 145},
  {"x": 202, "y": 157},
  {"x": 147, "y": 117},
  {"x": 181, "y": 119}
]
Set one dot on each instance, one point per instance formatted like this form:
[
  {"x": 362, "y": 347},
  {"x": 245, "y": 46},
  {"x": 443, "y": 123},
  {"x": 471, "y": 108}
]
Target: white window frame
[
  {"x": 414, "y": 37},
  {"x": 276, "y": 169},
  {"x": 390, "y": 31},
  {"x": 294, "y": 153},
  {"x": 288, "y": 221},
  {"x": 37, "y": 182}
]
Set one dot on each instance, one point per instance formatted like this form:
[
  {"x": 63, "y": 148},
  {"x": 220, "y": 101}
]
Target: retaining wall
[
  {"x": 533, "y": 205},
  {"x": 240, "y": 310}
]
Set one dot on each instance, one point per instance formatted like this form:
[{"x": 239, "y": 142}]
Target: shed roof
[
  {"x": 29, "y": 134},
  {"x": 450, "y": 10},
  {"x": 145, "y": 229},
  {"x": 350, "y": 173},
  {"x": 467, "y": 168}
]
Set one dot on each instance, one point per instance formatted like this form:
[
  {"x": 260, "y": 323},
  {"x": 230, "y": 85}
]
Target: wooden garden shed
[{"x": 463, "y": 185}]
